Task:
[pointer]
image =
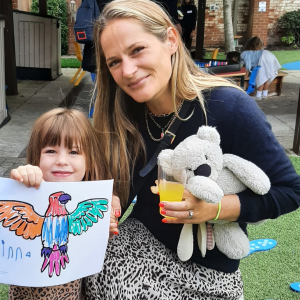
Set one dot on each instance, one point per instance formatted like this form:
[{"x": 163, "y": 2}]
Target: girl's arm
[{"x": 31, "y": 176}]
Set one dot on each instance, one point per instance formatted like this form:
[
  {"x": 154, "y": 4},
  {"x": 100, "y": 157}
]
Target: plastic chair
[
  {"x": 79, "y": 57},
  {"x": 215, "y": 53},
  {"x": 251, "y": 86}
]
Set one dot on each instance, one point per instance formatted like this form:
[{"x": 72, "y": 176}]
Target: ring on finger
[{"x": 190, "y": 214}]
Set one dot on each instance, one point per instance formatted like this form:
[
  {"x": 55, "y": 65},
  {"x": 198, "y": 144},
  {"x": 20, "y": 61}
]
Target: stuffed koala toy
[{"x": 211, "y": 175}]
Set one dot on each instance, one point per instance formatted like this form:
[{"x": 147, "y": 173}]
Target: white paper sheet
[{"x": 21, "y": 260}]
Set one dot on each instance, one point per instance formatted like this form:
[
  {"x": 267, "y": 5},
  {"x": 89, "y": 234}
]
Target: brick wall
[
  {"x": 71, "y": 37},
  {"x": 250, "y": 22},
  {"x": 277, "y": 9},
  {"x": 214, "y": 27},
  {"x": 15, "y": 4}
]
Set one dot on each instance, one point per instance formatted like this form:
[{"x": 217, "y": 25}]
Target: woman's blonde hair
[
  {"x": 114, "y": 110},
  {"x": 69, "y": 126}
]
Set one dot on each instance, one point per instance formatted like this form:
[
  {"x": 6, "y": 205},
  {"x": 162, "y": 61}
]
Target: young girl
[{"x": 63, "y": 147}]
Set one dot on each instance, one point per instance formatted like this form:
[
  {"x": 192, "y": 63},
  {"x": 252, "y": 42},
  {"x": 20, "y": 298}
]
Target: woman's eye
[
  {"x": 137, "y": 50},
  {"x": 113, "y": 63}
]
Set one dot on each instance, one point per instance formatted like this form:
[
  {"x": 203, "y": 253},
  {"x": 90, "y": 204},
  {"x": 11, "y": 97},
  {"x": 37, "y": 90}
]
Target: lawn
[
  {"x": 70, "y": 63},
  {"x": 282, "y": 56},
  {"x": 266, "y": 275}
]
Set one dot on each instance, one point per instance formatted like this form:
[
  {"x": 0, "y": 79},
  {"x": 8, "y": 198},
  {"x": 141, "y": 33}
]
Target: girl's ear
[{"x": 172, "y": 39}]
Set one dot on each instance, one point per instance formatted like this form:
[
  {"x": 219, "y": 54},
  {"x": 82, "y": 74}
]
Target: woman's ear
[{"x": 172, "y": 39}]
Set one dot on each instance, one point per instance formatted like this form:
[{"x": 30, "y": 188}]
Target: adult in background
[
  {"x": 255, "y": 55},
  {"x": 145, "y": 77},
  {"x": 188, "y": 21}
]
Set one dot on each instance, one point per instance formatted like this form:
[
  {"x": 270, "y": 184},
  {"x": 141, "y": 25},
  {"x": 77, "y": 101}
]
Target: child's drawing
[{"x": 54, "y": 227}]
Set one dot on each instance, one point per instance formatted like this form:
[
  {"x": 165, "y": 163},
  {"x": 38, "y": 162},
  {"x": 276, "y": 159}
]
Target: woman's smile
[{"x": 138, "y": 83}]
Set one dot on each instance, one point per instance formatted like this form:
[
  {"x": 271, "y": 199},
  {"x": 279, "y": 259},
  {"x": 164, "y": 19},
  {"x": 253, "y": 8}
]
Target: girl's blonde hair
[
  {"x": 114, "y": 114},
  {"x": 71, "y": 127}
]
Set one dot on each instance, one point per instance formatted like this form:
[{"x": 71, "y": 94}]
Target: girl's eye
[
  {"x": 50, "y": 151},
  {"x": 137, "y": 50},
  {"x": 74, "y": 152}
]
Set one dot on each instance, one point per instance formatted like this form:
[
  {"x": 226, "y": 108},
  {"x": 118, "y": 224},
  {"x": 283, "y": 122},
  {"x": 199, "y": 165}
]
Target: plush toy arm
[
  {"x": 165, "y": 159},
  {"x": 205, "y": 189},
  {"x": 248, "y": 173}
]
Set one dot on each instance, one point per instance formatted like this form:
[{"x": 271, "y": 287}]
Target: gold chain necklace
[{"x": 163, "y": 129}]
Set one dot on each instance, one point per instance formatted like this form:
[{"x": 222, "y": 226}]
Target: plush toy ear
[
  {"x": 165, "y": 158},
  {"x": 209, "y": 134}
]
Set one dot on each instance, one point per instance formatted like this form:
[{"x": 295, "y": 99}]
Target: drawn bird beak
[{"x": 64, "y": 198}]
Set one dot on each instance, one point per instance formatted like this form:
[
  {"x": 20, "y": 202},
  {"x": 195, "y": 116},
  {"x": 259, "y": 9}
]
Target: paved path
[{"x": 37, "y": 97}]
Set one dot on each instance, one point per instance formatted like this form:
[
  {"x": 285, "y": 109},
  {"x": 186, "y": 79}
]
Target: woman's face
[{"x": 139, "y": 63}]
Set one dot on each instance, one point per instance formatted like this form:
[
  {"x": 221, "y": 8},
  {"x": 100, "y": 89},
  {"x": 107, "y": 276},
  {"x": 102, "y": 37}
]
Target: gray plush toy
[{"x": 211, "y": 175}]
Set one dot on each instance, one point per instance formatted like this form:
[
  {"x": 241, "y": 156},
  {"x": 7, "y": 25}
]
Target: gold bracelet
[{"x": 218, "y": 213}]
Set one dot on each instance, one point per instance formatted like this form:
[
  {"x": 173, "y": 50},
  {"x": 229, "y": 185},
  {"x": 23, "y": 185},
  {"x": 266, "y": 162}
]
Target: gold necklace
[{"x": 163, "y": 129}]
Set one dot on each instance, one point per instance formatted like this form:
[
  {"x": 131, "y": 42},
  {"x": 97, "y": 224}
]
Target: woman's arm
[{"x": 245, "y": 132}]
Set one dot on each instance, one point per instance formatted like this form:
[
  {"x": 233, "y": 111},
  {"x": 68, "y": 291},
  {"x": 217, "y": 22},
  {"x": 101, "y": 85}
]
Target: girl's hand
[
  {"x": 193, "y": 33},
  {"x": 202, "y": 211},
  {"x": 31, "y": 176},
  {"x": 114, "y": 215}
]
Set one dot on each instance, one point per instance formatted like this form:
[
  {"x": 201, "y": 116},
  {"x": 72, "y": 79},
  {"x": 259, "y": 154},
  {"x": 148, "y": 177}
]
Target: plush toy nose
[
  {"x": 203, "y": 170},
  {"x": 64, "y": 198}
]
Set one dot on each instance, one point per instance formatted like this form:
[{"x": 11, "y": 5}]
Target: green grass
[
  {"x": 282, "y": 56},
  {"x": 266, "y": 275},
  {"x": 70, "y": 63}
]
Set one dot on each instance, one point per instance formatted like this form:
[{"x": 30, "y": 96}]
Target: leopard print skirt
[
  {"x": 70, "y": 291},
  {"x": 139, "y": 267}
]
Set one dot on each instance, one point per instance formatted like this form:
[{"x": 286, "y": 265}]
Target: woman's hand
[
  {"x": 193, "y": 34},
  {"x": 31, "y": 176},
  {"x": 115, "y": 213},
  {"x": 202, "y": 211}
]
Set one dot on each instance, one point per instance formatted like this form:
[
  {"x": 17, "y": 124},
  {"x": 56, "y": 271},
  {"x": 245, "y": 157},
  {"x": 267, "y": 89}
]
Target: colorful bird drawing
[{"x": 54, "y": 227}]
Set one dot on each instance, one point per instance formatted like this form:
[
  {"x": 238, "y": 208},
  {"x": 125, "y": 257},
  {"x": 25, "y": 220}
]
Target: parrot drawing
[{"x": 54, "y": 227}]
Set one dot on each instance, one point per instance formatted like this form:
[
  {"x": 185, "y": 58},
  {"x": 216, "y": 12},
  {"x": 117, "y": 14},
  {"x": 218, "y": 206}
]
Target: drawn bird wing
[
  {"x": 21, "y": 218},
  {"x": 86, "y": 214}
]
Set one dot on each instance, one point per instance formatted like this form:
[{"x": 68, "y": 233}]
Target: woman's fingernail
[
  {"x": 116, "y": 233},
  {"x": 117, "y": 222},
  {"x": 163, "y": 211},
  {"x": 117, "y": 213},
  {"x": 161, "y": 205},
  {"x": 164, "y": 220}
]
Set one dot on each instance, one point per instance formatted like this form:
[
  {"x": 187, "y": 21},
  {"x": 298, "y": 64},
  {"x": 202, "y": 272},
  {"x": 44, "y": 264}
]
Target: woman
[
  {"x": 255, "y": 55},
  {"x": 144, "y": 76},
  {"x": 188, "y": 21}
]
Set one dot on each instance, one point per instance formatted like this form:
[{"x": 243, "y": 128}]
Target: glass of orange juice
[{"x": 171, "y": 184}]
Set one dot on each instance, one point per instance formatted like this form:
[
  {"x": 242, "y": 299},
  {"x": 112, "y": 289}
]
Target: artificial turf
[
  {"x": 266, "y": 275},
  {"x": 283, "y": 57}
]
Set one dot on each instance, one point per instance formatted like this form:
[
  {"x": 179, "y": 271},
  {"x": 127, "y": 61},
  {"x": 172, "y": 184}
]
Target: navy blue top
[{"x": 245, "y": 132}]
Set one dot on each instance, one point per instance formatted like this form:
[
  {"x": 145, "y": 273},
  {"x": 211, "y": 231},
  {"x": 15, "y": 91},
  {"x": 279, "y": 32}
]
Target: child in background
[
  {"x": 63, "y": 147},
  {"x": 255, "y": 55}
]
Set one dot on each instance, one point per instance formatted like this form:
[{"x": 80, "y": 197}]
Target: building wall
[
  {"x": 24, "y": 5},
  {"x": 264, "y": 24},
  {"x": 15, "y": 4},
  {"x": 277, "y": 9},
  {"x": 71, "y": 37}
]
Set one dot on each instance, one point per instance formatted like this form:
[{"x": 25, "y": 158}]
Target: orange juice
[{"x": 170, "y": 191}]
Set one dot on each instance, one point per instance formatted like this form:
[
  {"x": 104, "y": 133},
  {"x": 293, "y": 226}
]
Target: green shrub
[
  {"x": 290, "y": 21},
  {"x": 58, "y": 9},
  {"x": 288, "y": 40}
]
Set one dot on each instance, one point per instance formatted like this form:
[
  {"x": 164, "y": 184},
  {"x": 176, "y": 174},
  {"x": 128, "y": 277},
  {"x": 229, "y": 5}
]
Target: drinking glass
[{"x": 171, "y": 184}]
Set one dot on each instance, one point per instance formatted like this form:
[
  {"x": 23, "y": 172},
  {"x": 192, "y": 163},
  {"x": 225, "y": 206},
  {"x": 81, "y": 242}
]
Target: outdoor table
[{"x": 240, "y": 74}]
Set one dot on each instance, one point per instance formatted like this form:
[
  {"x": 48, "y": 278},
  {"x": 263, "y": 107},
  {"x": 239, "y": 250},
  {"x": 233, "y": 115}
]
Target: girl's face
[
  {"x": 139, "y": 63},
  {"x": 62, "y": 164}
]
